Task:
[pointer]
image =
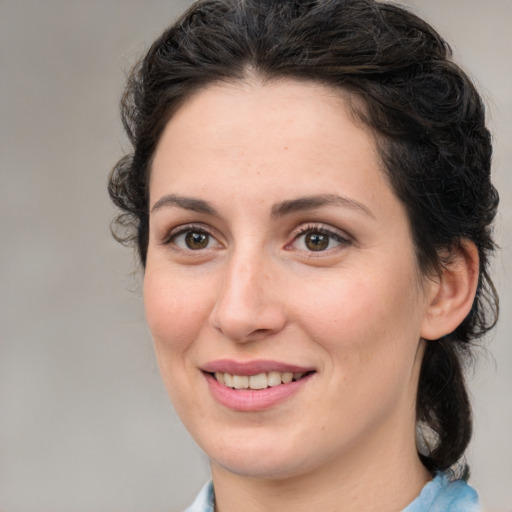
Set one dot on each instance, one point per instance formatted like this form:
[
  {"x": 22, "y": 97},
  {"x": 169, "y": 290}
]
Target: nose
[{"x": 248, "y": 306}]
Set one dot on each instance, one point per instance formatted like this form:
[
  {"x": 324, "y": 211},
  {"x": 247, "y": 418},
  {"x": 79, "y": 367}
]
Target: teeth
[
  {"x": 240, "y": 381},
  {"x": 274, "y": 378},
  {"x": 228, "y": 379},
  {"x": 260, "y": 381},
  {"x": 287, "y": 377}
]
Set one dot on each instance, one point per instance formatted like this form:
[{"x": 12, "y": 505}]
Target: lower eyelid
[
  {"x": 339, "y": 239},
  {"x": 213, "y": 244},
  {"x": 171, "y": 236}
]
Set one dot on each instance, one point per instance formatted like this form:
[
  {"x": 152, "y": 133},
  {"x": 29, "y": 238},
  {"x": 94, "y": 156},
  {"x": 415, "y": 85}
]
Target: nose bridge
[
  {"x": 244, "y": 273},
  {"x": 247, "y": 305}
]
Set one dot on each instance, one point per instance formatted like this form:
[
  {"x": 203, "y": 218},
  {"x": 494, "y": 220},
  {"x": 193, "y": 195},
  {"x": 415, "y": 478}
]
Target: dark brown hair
[{"x": 429, "y": 123}]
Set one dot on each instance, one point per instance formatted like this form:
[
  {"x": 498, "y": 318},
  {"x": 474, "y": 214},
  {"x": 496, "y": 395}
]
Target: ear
[{"x": 450, "y": 295}]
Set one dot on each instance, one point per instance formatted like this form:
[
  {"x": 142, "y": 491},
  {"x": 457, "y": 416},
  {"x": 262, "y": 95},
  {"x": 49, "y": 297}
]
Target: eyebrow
[
  {"x": 281, "y": 209},
  {"x": 187, "y": 203},
  {"x": 317, "y": 201}
]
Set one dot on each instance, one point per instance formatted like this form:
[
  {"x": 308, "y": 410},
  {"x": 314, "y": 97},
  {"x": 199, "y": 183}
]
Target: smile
[
  {"x": 259, "y": 381},
  {"x": 258, "y": 385}
]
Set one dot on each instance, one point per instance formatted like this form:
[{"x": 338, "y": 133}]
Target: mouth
[
  {"x": 256, "y": 385},
  {"x": 259, "y": 381}
]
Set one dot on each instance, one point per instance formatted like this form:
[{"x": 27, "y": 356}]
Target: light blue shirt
[
  {"x": 438, "y": 495},
  {"x": 443, "y": 495}
]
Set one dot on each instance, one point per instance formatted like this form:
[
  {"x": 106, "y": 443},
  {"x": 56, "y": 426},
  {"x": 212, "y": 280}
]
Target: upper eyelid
[
  {"x": 342, "y": 238},
  {"x": 322, "y": 228},
  {"x": 295, "y": 233},
  {"x": 183, "y": 228}
]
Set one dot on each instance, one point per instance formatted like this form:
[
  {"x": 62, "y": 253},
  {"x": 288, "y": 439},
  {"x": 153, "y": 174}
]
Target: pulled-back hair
[{"x": 429, "y": 123}]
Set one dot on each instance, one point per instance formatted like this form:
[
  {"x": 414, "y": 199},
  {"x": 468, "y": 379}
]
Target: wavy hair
[{"x": 429, "y": 123}]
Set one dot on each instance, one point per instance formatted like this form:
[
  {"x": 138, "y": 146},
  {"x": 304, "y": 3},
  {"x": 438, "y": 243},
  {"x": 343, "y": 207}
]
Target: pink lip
[
  {"x": 252, "y": 367},
  {"x": 252, "y": 400}
]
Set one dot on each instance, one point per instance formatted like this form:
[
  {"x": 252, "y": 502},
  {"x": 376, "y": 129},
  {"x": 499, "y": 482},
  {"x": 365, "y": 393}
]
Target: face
[{"x": 281, "y": 285}]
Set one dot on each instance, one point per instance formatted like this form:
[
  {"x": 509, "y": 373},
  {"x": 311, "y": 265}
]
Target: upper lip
[{"x": 252, "y": 367}]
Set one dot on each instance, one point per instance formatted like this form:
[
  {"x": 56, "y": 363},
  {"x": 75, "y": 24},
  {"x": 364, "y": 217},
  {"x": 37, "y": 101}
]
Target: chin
[
  {"x": 253, "y": 455},
  {"x": 260, "y": 466}
]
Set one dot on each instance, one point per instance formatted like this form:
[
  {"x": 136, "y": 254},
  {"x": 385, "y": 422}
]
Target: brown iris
[
  {"x": 316, "y": 241},
  {"x": 196, "y": 240}
]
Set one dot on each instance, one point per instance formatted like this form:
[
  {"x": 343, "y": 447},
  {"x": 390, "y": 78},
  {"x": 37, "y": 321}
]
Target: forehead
[{"x": 284, "y": 130}]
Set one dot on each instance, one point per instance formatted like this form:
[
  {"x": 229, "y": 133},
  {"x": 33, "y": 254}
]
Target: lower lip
[{"x": 250, "y": 400}]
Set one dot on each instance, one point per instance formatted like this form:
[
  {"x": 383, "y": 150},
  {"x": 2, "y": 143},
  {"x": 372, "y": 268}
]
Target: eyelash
[
  {"x": 297, "y": 234},
  {"x": 316, "y": 229},
  {"x": 170, "y": 239}
]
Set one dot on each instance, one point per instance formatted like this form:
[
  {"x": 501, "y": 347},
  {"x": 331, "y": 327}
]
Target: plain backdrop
[{"x": 85, "y": 424}]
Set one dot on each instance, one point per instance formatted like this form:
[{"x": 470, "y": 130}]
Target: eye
[
  {"x": 193, "y": 239},
  {"x": 318, "y": 239}
]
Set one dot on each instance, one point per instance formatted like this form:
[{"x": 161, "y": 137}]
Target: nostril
[{"x": 262, "y": 331}]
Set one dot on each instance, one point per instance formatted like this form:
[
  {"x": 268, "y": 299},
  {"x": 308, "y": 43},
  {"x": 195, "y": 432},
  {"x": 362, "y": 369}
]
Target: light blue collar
[
  {"x": 205, "y": 500},
  {"x": 438, "y": 495},
  {"x": 443, "y": 495}
]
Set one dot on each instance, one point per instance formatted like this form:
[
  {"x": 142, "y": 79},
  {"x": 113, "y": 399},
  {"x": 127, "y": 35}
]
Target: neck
[{"x": 380, "y": 477}]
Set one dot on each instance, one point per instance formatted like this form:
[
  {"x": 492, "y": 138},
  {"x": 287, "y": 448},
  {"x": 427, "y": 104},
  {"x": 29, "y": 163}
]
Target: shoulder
[{"x": 445, "y": 495}]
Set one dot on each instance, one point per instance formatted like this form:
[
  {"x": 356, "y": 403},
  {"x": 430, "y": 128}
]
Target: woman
[{"x": 310, "y": 196}]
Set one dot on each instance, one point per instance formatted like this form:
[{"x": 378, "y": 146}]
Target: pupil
[
  {"x": 317, "y": 241},
  {"x": 196, "y": 240}
]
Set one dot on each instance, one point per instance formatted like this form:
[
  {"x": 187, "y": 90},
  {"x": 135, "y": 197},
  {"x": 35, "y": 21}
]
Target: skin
[{"x": 356, "y": 311}]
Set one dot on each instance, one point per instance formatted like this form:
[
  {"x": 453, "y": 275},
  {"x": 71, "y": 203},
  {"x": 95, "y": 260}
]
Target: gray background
[{"x": 85, "y": 424}]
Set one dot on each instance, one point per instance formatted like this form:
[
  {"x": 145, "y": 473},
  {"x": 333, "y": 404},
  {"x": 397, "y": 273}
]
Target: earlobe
[{"x": 451, "y": 294}]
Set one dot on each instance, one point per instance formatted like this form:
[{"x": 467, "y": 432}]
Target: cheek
[
  {"x": 369, "y": 334},
  {"x": 175, "y": 311},
  {"x": 365, "y": 318}
]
